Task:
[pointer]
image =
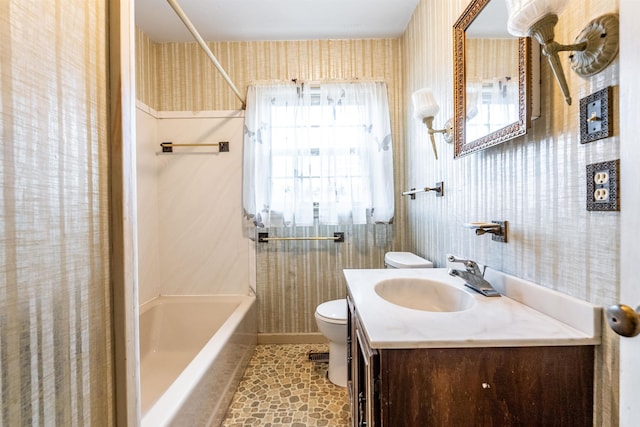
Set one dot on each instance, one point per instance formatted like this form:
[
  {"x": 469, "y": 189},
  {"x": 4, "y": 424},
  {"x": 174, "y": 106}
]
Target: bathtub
[{"x": 193, "y": 352}]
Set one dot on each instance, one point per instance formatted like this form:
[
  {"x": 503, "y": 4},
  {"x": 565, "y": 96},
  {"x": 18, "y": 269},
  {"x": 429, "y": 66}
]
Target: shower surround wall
[
  {"x": 189, "y": 230},
  {"x": 292, "y": 278},
  {"x": 536, "y": 182}
]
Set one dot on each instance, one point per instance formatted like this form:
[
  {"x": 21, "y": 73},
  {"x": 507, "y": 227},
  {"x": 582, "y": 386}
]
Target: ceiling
[
  {"x": 239, "y": 20},
  {"x": 491, "y": 22}
]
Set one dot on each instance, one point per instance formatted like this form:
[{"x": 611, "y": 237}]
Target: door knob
[{"x": 624, "y": 320}]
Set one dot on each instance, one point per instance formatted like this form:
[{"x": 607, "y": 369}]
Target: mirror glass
[{"x": 492, "y": 79}]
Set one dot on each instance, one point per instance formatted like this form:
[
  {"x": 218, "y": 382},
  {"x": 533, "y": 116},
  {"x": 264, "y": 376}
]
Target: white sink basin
[{"x": 424, "y": 294}]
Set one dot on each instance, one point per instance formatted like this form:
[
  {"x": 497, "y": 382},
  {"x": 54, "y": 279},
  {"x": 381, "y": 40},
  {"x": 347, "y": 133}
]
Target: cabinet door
[
  {"x": 363, "y": 374},
  {"x": 352, "y": 362},
  {"x": 368, "y": 378},
  {"x": 502, "y": 386}
]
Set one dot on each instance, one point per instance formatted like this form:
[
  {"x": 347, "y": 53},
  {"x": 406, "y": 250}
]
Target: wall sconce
[
  {"x": 425, "y": 108},
  {"x": 593, "y": 50}
]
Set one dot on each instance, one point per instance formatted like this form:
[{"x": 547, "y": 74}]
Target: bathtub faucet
[{"x": 473, "y": 277}]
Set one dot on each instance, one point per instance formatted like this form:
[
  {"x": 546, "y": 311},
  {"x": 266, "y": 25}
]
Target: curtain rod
[{"x": 176, "y": 7}]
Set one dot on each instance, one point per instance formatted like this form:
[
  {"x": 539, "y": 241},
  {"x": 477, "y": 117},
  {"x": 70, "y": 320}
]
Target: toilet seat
[{"x": 333, "y": 312}]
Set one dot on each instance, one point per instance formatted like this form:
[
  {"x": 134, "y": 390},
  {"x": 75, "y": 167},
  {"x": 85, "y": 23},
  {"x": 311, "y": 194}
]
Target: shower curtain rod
[{"x": 176, "y": 7}]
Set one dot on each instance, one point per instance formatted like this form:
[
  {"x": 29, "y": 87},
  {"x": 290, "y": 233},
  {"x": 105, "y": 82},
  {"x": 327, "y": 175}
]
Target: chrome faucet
[{"x": 473, "y": 277}]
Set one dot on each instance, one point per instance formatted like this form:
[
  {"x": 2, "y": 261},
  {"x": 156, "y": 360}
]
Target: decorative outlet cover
[{"x": 602, "y": 186}]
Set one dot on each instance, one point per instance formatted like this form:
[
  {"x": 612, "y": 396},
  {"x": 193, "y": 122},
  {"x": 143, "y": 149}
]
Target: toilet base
[{"x": 338, "y": 364}]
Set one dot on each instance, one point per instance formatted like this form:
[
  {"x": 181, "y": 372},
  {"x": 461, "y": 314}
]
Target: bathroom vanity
[{"x": 490, "y": 362}]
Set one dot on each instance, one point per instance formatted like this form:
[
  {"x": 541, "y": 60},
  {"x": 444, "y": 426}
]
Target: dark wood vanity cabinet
[{"x": 495, "y": 386}]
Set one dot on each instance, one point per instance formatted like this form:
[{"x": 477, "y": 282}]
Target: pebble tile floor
[{"x": 281, "y": 387}]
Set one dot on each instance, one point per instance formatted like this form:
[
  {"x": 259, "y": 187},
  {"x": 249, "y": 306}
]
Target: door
[{"x": 630, "y": 204}]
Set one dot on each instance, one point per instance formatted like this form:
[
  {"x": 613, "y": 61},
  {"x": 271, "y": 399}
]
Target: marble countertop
[{"x": 526, "y": 315}]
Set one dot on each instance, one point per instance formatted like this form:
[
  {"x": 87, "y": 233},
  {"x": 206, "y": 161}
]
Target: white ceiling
[
  {"x": 235, "y": 20},
  {"x": 491, "y": 22}
]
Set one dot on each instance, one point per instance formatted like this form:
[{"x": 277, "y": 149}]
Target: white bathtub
[{"x": 193, "y": 352}]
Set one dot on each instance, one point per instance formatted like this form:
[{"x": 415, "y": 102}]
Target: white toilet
[{"x": 331, "y": 318}]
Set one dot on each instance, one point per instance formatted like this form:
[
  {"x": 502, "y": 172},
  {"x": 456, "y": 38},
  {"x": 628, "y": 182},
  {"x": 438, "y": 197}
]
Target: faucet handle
[
  {"x": 451, "y": 258},
  {"x": 471, "y": 266}
]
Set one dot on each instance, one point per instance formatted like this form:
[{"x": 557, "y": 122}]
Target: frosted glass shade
[
  {"x": 424, "y": 104},
  {"x": 524, "y": 13}
]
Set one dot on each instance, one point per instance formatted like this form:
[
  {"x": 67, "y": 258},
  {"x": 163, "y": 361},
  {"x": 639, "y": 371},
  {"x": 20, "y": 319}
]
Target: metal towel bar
[
  {"x": 338, "y": 237},
  {"x": 223, "y": 146}
]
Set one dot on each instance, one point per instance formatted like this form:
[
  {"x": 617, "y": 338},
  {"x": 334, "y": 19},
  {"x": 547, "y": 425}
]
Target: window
[
  {"x": 491, "y": 105},
  {"x": 317, "y": 155}
]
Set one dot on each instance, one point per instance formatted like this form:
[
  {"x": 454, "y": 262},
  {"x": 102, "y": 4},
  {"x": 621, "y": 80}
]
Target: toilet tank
[{"x": 405, "y": 260}]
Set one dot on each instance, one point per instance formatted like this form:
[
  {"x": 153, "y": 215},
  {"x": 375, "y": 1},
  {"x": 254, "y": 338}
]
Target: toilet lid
[
  {"x": 333, "y": 311},
  {"x": 406, "y": 260}
]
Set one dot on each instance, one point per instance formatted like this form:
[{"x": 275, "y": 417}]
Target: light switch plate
[
  {"x": 596, "y": 116},
  {"x": 602, "y": 186}
]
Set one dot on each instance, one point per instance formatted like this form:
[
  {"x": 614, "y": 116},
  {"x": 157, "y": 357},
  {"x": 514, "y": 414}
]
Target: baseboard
[{"x": 301, "y": 338}]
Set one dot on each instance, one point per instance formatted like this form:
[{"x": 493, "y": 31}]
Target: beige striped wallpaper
[
  {"x": 536, "y": 182},
  {"x": 486, "y": 59},
  {"x": 56, "y": 364},
  {"x": 295, "y": 277}
]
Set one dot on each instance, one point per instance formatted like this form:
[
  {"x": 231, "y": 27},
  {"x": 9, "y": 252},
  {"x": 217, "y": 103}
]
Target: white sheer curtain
[{"x": 317, "y": 155}]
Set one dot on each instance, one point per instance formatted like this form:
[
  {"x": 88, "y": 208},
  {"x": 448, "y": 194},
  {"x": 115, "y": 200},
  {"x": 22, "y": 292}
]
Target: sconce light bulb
[{"x": 424, "y": 104}]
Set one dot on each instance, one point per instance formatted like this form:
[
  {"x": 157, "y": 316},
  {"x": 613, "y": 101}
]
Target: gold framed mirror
[{"x": 492, "y": 79}]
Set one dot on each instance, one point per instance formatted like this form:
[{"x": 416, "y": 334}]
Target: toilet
[{"x": 331, "y": 318}]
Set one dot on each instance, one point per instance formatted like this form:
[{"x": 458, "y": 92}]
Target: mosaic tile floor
[{"x": 281, "y": 387}]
